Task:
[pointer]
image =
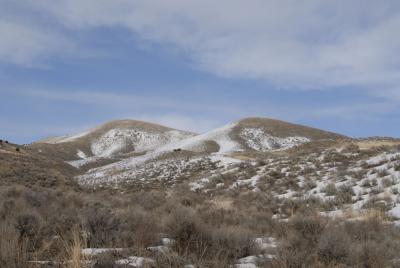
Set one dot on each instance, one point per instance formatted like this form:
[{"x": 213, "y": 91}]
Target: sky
[{"x": 69, "y": 65}]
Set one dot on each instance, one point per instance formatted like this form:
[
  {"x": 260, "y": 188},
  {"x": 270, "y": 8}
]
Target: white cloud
[
  {"x": 105, "y": 99},
  {"x": 111, "y": 100},
  {"x": 290, "y": 43},
  {"x": 24, "y": 44}
]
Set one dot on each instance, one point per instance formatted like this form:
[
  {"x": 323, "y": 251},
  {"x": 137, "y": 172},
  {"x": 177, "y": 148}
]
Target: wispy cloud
[
  {"x": 28, "y": 44},
  {"x": 297, "y": 44},
  {"x": 289, "y": 44},
  {"x": 106, "y": 99}
]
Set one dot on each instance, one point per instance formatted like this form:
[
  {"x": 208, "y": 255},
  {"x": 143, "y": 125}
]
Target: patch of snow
[
  {"x": 245, "y": 265},
  {"x": 158, "y": 249},
  {"x": 395, "y": 211},
  {"x": 118, "y": 139},
  {"x": 332, "y": 214},
  {"x": 97, "y": 251},
  {"x": 67, "y": 138},
  {"x": 223, "y": 160},
  {"x": 264, "y": 243},
  {"x": 251, "y": 182},
  {"x": 168, "y": 241},
  {"x": 220, "y": 185},
  {"x": 200, "y": 184},
  {"x": 153, "y": 171},
  {"x": 81, "y": 154},
  {"x": 197, "y": 143},
  {"x": 258, "y": 140},
  {"x": 384, "y": 157},
  {"x": 135, "y": 261},
  {"x": 247, "y": 262},
  {"x": 82, "y": 162}
]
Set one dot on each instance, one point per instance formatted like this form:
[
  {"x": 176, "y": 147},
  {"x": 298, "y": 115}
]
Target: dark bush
[
  {"x": 308, "y": 228},
  {"x": 102, "y": 226},
  {"x": 194, "y": 237},
  {"x": 330, "y": 189},
  {"x": 397, "y": 167},
  {"x": 106, "y": 260},
  {"x": 370, "y": 254},
  {"x": 298, "y": 249},
  {"x": 344, "y": 194},
  {"x": 138, "y": 228},
  {"x": 333, "y": 246},
  {"x": 27, "y": 225}
]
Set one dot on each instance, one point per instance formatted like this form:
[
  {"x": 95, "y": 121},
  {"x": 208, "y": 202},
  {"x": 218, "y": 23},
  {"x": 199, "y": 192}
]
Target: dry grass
[
  {"x": 370, "y": 144},
  {"x": 13, "y": 249},
  {"x": 74, "y": 257},
  {"x": 213, "y": 228},
  {"x": 210, "y": 232}
]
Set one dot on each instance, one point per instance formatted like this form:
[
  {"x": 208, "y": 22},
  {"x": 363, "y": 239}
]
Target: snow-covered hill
[
  {"x": 109, "y": 143},
  {"x": 256, "y": 135},
  {"x": 249, "y": 172}
]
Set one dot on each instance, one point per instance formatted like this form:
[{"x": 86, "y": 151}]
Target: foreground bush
[{"x": 319, "y": 242}]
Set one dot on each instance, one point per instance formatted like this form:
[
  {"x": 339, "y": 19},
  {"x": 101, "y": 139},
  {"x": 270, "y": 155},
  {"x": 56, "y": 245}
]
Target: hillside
[
  {"x": 24, "y": 166},
  {"x": 244, "y": 137},
  {"x": 247, "y": 194},
  {"x": 263, "y": 134},
  {"x": 109, "y": 142}
]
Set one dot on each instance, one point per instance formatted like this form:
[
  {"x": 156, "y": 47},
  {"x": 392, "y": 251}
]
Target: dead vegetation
[
  {"x": 46, "y": 217},
  {"x": 56, "y": 224}
]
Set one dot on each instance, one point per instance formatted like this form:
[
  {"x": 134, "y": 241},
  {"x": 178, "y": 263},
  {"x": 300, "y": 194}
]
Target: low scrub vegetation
[
  {"x": 295, "y": 212},
  {"x": 314, "y": 241},
  {"x": 45, "y": 224}
]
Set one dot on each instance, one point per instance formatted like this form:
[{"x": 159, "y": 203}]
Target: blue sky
[{"x": 69, "y": 65}]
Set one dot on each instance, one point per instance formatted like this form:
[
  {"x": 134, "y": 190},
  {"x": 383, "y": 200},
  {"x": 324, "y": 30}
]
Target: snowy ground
[
  {"x": 132, "y": 168},
  {"x": 258, "y": 140}
]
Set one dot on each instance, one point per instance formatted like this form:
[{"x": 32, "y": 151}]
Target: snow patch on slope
[
  {"x": 384, "y": 157},
  {"x": 194, "y": 144},
  {"x": 83, "y": 162},
  {"x": 219, "y": 135},
  {"x": 66, "y": 138},
  {"x": 81, "y": 154},
  {"x": 116, "y": 140},
  {"x": 258, "y": 140}
]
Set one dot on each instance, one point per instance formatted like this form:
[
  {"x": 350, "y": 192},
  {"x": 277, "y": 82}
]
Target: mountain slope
[
  {"x": 244, "y": 136},
  {"x": 245, "y": 178},
  {"x": 109, "y": 140},
  {"x": 251, "y": 134},
  {"x": 264, "y": 134},
  {"x": 23, "y": 166}
]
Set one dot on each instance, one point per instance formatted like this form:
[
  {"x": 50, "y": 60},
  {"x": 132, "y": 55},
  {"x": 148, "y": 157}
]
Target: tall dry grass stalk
[
  {"x": 13, "y": 249},
  {"x": 74, "y": 257}
]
